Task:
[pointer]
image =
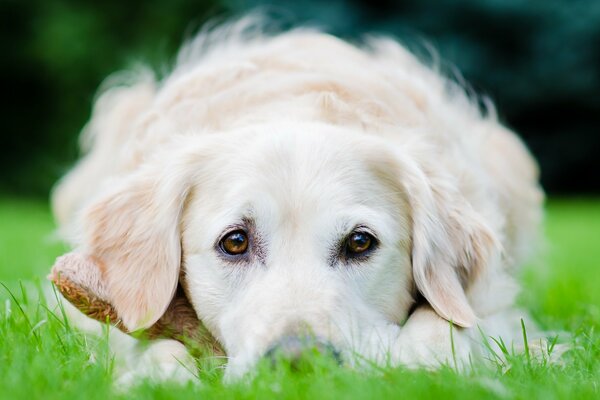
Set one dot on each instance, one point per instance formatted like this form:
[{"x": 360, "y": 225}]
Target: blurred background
[{"x": 538, "y": 60}]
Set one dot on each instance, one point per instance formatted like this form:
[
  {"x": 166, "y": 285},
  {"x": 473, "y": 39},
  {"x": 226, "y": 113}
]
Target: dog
[{"x": 300, "y": 189}]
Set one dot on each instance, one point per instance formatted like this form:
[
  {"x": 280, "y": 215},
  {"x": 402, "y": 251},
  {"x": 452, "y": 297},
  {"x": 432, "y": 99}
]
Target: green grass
[{"x": 42, "y": 357}]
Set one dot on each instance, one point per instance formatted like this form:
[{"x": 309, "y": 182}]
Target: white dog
[{"x": 299, "y": 184}]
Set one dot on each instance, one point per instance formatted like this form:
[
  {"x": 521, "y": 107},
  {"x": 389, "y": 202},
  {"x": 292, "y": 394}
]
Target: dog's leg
[
  {"x": 428, "y": 340},
  {"x": 158, "y": 361},
  {"x": 134, "y": 360}
]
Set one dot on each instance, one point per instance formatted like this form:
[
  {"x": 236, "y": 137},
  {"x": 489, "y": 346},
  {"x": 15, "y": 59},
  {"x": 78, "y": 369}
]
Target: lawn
[{"x": 42, "y": 357}]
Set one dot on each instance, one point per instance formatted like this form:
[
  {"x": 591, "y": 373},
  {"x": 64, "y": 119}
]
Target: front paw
[
  {"x": 161, "y": 361},
  {"x": 429, "y": 341}
]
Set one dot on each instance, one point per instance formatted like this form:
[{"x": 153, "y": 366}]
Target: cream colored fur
[{"x": 301, "y": 137}]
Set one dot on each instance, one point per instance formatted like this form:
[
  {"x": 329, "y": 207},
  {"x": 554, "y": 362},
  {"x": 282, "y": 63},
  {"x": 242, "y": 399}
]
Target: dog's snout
[{"x": 295, "y": 349}]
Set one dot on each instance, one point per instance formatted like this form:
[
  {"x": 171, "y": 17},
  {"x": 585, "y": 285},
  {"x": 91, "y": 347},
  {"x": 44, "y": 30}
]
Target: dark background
[{"x": 538, "y": 60}]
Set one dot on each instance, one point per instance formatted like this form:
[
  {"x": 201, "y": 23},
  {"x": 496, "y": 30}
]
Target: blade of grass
[
  {"x": 37, "y": 338},
  {"x": 526, "y": 343},
  {"x": 453, "y": 348}
]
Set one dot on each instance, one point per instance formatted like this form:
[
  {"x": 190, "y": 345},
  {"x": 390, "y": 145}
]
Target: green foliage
[
  {"x": 41, "y": 356},
  {"x": 563, "y": 287}
]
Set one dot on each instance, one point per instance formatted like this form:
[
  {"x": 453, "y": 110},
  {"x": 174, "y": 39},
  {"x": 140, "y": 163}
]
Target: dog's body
[{"x": 299, "y": 142}]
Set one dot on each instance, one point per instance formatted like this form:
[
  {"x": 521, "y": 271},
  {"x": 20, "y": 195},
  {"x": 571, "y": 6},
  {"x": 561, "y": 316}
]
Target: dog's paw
[
  {"x": 161, "y": 361},
  {"x": 429, "y": 341}
]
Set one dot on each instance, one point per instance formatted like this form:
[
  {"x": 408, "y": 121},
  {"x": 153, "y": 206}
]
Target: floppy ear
[
  {"x": 79, "y": 279},
  {"x": 451, "y": 243},
  {"x": 133, "y": 233}
]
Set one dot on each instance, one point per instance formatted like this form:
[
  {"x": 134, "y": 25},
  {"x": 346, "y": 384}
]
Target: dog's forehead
[
  {"x": 304, "y": 168},
  {"x": 298, "y": 174}
]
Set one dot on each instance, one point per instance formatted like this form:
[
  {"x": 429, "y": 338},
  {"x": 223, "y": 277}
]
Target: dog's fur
[{"x": 299, "y": 138}]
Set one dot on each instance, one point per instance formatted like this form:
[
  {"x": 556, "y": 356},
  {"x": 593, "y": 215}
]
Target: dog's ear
[
  {"x": 132, "y": 230},
  {"x": 451, "y": 243},
  {"x": 79, "y": 279}
]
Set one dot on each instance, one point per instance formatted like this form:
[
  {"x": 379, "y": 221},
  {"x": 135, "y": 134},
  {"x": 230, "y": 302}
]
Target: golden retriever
[{"x": 303, "y": 186}]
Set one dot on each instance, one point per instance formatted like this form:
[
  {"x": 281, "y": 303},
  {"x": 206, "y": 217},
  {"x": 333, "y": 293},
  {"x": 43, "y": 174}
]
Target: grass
[{"x": 42, "y": 357}]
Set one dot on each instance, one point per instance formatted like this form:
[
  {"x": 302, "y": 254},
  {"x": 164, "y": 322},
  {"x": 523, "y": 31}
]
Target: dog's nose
[{"x": 295, "y": 349}]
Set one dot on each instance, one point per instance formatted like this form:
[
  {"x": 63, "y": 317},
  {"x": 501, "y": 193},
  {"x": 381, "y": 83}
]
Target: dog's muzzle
[{"x": 296, "y": 349}]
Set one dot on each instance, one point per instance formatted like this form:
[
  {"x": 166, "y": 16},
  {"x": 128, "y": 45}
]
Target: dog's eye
[
  {"x": 234, "y": 243},
  {"x": 359, "y": 243}
]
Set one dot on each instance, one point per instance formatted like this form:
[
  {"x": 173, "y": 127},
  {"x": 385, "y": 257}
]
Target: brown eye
[
  {"x": 235, "y": 243},
  {"x": 358, "y": 243}
]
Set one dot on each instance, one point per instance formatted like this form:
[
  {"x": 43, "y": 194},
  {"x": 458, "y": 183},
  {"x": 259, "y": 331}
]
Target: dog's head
[{"x": 287, "y": 230}]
